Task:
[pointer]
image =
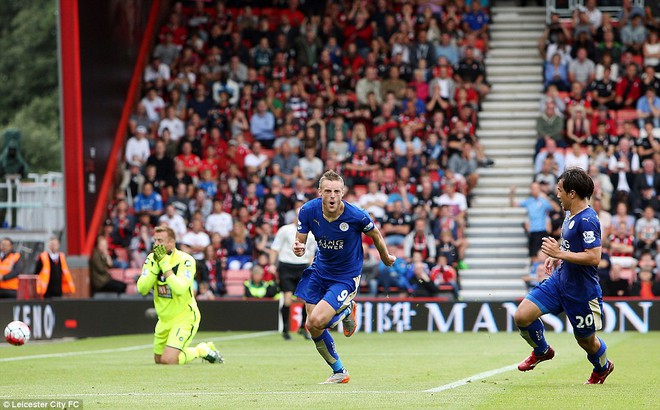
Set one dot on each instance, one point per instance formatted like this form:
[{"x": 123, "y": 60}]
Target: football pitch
[{"x": 409, "y": 370}]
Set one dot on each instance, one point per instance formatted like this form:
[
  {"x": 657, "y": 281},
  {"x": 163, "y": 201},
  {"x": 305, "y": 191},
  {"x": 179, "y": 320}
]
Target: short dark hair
[{"x": 576, "y": 179}]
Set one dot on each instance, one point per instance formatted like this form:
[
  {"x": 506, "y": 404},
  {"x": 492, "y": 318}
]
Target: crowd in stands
[
  {"x": 246, "y": 105},
  {"x": 601, "y": 112}
]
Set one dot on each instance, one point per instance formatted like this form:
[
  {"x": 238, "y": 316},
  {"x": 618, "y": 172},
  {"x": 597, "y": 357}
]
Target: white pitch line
[
  {"x": 125, "y": 349},
  {"x": 472, "y": 378},
  {"x": 232, "y": 393}
]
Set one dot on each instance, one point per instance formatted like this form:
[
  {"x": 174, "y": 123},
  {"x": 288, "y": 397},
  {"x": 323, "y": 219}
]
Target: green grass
[{"x": 390, "y": 370}]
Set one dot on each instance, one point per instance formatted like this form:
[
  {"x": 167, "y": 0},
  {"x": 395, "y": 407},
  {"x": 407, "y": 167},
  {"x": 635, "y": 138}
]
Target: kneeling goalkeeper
[{"x": 170, "y": 272}]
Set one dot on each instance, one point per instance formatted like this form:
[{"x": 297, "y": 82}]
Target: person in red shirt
[
  {"x": 629, "y": 88},
  {"x": 190, "y": 161},
  {"x": 210, "y": 161}
]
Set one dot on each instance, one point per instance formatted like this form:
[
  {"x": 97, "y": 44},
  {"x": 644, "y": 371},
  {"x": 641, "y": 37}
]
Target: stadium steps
[{"x": 497, "y": 256}]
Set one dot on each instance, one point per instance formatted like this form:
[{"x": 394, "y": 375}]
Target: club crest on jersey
[
  {"x": 343, "y": 226},
  {"x": 588, "y": 236},
  {"x": 571, "y": 225}
]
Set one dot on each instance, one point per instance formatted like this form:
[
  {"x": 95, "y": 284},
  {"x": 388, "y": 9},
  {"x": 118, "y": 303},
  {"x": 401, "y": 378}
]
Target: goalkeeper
[{"x": 170, "y": 272}]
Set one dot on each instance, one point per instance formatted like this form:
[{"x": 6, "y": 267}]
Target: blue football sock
[
  {"x": 599, "y": 359},
  {"x": 533, "y": 334},
  {"x": 326, "y": 348}
]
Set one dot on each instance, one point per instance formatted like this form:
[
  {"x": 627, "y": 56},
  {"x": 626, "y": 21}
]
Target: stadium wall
[
  {"x": 91, "y": 318},
  {"x": 103, "y": 45}
]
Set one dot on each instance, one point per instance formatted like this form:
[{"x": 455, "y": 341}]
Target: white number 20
[{"x": 584, "y": 321}]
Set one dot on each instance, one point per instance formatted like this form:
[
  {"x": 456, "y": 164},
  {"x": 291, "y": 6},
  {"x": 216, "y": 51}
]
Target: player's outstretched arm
[{"x": 379, "y": 242}]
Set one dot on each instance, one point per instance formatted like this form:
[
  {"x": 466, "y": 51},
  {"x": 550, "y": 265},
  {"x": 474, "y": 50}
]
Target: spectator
[
  {"x": 167, "y": 52},
  {"x": 201, "y": 204},
  {"x": 623, "y": 163},
  {"x": 628, "y": 88},
  {"x": 137, "y": 148},
  {"x": 257, "y": 287},
  {"x": 621, "y": 241},
  {"x": 196, "y": 239},
  {"x": 633, "y": 35},
  {"x": 550, "y": 152},
  {"x": 257, "y": 161},
  {"x": 164, "y": 163},
  {"x": 576, "y": 157},
  {"x": 582, "y": 69},
  {"x": 11, "y": 265},
  {"x": 465, "y": 165},
  {"x": 617, "y": 285},
  {"x": 374, "y": 200},
  {"x": 99, "y": 265},
  {"x": 212, "y": 270},
  {"x": 456, "y": 201},
  {"x": 149, "y": 201},
  {"x": 651, "y": 50},
  {"x": 200, "y": 103},
  {"x": 262, "y": 125},
  {"x": 396, "y": 225},
  {"x": 648, "y": 109},
  {"x": 621, "y": 215},
  {"x": 156, "y": 70},
  {"x": 173, "y": 220},
  {"x": 648, "y": 178},
  {"x": 603, "y": 90},
  {"x": 646, "y": 285},
  {"x": 647, "y": 230},
  {"x": 154, "y": 106},
  {"x": 239, "y": 248},
  {"x": 556, "y": 73},
  {"x": 54, "y": 277},
  {"x": 368, "y": 84},
  {"x": 140, "y": 246},
  {"x": 420, "y": 240},
  {"x": 311, "y": 167},
  {"x": 538, "y": 207},
  {"x": 550, "y": 125}
]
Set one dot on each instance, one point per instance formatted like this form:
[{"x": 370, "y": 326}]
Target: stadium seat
[{"x": 235, "y": 289}]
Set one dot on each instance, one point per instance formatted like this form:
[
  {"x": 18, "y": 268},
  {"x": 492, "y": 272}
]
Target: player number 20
[{"x": 584, "y": 321}]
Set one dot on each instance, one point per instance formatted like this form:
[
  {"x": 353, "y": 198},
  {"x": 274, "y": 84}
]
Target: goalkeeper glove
[{"x": 163, "y": 260}]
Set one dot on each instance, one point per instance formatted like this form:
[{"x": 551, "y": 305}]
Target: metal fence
[{"x": 38, "y": 200}]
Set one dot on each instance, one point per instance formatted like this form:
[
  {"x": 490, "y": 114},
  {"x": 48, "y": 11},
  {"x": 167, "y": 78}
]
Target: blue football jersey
[
  {"x": 339, "y": 242},
  {"x": 578, "y": 233}
]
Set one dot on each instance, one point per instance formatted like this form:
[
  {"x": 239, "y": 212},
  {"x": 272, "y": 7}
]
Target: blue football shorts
[
  {"x": 586, "y": 316},
  {"x": 338, "y": 292}
]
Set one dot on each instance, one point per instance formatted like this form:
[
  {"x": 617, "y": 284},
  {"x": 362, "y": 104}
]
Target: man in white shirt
[
  {"x": 137, "y": 148},
  {"x": 175, "y": 221},
  {"x": 176, "y": 127},
  {"x": 374, "y": 201},
  {"x": 156, "y": 70},
  {"x": 290, "y": 269},
  {"x": 219, "y": 221},
  {"x": 196, "y": 239},
  {"x": 456, "y": 201},
  {"x": 256, "y": 161},
  {"x": 154, "y": 105}
]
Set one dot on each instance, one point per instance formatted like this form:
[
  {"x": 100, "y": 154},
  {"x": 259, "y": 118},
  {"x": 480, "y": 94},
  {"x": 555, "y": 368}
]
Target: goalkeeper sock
[
  {"x": 188, "y": 354},
  {"x": 326, "y": 348},
  {"x": 533, "y": 334},
  {"x": 285, "y": 317},
  {"x": 599, "y": 359}
]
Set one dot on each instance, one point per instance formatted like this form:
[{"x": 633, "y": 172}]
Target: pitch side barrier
[{"x": 90, "y": 318}]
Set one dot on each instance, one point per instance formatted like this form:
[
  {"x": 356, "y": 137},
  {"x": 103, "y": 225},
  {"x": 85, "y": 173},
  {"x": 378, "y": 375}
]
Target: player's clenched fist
[
  {"x": 389, "y": 260},
  {"x": 298, "y": 248}
]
